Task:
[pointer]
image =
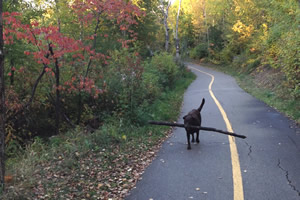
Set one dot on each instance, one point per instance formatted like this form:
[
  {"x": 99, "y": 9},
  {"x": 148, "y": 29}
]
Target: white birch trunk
[
  {"x": 176, "y": 33},
  {"x": 165, "y": 10}
]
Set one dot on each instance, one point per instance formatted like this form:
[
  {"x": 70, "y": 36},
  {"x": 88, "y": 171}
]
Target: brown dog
[{"x": 193, "y": 118}]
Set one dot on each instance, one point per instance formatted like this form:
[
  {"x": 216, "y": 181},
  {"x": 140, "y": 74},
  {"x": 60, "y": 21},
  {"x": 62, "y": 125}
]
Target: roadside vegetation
[
  {"x": 256, "y": 41},
  {"x": 105, "y": 162}
]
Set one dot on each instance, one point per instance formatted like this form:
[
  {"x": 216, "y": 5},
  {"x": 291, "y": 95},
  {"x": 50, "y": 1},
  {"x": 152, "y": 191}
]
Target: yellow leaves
[
  {"x": 265, "y": 26},
  {"x": 124, "y": 137},
  {"x": 265, "y": 31},
  {"x": 243, "y": 30},
  {"x": 48, "y": 14},
  {"x": 237, "y": 27},
  {"x": 237, "y": 9}
]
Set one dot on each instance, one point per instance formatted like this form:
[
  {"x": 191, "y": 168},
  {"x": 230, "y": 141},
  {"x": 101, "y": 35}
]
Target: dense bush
[
  {"x": 165, "y": 68},
  {"x": 123, "y": 77},
  {"x": 131, "y": 83},
  {"x": 200, "y": 51}
]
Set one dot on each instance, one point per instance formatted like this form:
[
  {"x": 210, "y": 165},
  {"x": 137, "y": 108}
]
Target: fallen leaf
[{"x": 8, "y": 179}]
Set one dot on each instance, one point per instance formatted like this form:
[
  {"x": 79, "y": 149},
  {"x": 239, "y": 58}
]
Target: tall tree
[
  {"x": 165, "y": 10},
  {"x": 176, "y": 32},
  {"x": 206, "y": 25},
  {"x": 2, "y": 105}
]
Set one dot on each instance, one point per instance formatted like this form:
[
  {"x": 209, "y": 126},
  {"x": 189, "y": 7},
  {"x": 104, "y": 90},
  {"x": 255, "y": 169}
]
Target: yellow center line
[{"x": 238, "y": 193}]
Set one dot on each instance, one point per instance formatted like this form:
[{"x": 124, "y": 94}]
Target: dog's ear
[{"x": 184, "y": 117}]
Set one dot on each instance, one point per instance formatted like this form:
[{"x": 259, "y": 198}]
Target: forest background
[{"x": 83, "y": 76}]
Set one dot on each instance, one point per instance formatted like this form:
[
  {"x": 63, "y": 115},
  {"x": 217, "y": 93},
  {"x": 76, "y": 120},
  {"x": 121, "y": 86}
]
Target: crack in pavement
[
  {"x": 287, "y": 177},
  {"x": 250, "y": 149}
]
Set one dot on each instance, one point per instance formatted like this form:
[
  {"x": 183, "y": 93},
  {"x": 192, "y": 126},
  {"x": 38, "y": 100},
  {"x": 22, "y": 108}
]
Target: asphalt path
[{"x": 268, "y": 159}]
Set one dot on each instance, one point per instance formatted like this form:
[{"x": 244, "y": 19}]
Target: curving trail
[{"x": 266, "y": 165}]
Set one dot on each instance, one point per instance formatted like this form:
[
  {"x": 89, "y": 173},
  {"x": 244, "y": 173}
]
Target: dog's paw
[{"x": 189, "y": 148}]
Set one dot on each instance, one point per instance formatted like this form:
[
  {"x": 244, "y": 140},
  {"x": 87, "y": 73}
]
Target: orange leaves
[
  {"x": 87, "y": 85},
  {"x": 8, "y": 179},
  {"x": 38, "y": 36},
  {"x": 123, "y": 28},
  {"x": 27, "y": 53},
  {"x": 122, "y": 12},
  {"x": 13, "y": 70}
]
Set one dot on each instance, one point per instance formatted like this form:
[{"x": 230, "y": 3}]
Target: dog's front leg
[
  {"x": 197, "y": 139},
  {"x": 188, "y": 140},
  {"x": 193, "y": 139}
]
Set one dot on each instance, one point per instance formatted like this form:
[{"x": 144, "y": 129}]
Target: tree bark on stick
[
  {"x": 197, "y": 127},
  {"x": 2, "y": 106}
]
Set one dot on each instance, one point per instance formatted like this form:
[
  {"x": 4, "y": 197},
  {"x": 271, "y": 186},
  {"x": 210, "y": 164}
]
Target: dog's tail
[{"x": 201, "y": 106}]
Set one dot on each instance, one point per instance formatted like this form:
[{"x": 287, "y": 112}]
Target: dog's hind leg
[
  {"x": 188, "y": 140},
  {"x": 193, "y": 139},
  {"x": 197, "y": 139}
]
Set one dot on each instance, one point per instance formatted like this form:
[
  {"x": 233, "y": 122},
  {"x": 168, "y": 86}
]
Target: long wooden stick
[{"x": 196, "y": 127}]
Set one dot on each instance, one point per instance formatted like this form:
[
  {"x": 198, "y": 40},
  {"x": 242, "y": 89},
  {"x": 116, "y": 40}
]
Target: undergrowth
[{"x": 105, "y": 163}]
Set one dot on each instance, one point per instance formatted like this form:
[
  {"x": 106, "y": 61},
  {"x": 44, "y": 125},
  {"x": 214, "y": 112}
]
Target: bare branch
[{"x": 197, "y": 127}]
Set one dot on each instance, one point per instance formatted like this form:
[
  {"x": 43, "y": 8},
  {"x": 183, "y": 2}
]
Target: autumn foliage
[{"x": 61, "y": 75}]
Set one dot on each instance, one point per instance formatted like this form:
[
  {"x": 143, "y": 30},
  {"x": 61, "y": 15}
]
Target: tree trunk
[
  {"x": 57, "y": 84},
  {"x": 2, "y": 106},
  {"x": 57, "y": 77},
  {"x": 165, "y": 11},
  {"x": 176, "y": 33},
  {"x": 12, "y": 71},
  {"x": 167, "y": 37},
  {"x": 207, "y": 29},
  {"x": 58, "y": 18},
  {"x": 80, "y": 106},
  {"x": 57, "y": 104}
]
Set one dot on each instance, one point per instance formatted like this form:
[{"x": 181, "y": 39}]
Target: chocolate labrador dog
[{"x": 193, "y": 118}]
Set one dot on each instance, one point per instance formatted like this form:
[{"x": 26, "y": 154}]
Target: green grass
[
  {"x": 288, "y": 106},
  {"x": 84, "y": 165},
  {"x": 280, "y": 99}
]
